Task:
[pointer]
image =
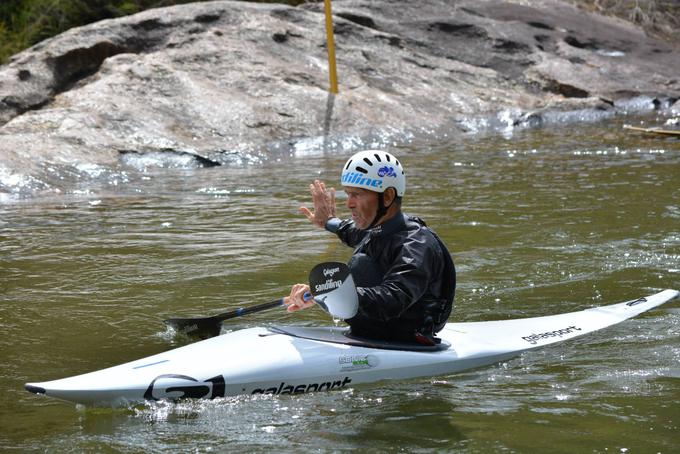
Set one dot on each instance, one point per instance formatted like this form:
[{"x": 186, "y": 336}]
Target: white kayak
[{"x": 292, "y": 360}]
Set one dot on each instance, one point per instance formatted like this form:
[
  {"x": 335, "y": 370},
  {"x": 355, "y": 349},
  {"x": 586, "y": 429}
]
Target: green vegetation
[
  {"x": 24, "y": 23},
  {"x": 27, "y": 22}
]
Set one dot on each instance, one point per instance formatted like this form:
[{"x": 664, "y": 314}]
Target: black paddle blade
[
  {"x": 333, "y": 288},
  {"x": 327, "y": 277},
  {"x": 203, "y": 328}
]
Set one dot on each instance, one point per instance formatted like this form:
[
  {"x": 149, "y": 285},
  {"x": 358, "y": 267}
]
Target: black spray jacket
[{"x": 418, "y": 279}]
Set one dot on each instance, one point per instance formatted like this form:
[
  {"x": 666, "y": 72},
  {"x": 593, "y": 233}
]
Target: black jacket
[{"x": 418, "y": 281}]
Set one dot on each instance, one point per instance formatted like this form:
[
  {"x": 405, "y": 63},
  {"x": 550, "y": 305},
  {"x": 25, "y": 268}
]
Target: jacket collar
[{"x": 392, "y": 225}]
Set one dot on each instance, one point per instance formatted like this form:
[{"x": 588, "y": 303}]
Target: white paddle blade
[{"x": 333, "y": 288}]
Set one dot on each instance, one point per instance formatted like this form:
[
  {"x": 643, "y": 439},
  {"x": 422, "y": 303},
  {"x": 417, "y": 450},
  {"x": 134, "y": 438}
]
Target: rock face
[{"x": 232, "y": 80}]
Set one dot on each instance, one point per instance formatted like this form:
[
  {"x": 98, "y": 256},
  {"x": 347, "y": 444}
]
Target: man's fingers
[
  {"x": 318, "y": 187},
  {"x": 306, "y": 211},
  {"x": 295, "y": 301},
  {"x": 332, "y": 196}
]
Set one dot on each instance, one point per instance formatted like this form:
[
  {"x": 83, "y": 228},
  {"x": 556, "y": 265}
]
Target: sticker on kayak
[
  {"x": 333, "y": 288},
  {"x": 293, "y": 388},
  {"x": 357, "y": 362},
  {"x": 534, "y": 338},
  {"x": 173, "y": 386}
]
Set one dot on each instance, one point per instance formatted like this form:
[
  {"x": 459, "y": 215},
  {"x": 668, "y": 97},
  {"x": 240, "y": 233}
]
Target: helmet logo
[{"x": 387, "y": 171}]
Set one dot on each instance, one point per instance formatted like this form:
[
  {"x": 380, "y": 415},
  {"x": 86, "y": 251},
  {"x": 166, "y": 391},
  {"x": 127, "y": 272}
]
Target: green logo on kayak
[{"x": 357, "y": 362}]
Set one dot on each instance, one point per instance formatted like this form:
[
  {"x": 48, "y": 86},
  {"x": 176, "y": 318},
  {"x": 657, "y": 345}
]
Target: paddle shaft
[
  {"x": 248, "y": 310},
  {"x": 252, "y": 309},
  {"x": 205, "y": 327}
]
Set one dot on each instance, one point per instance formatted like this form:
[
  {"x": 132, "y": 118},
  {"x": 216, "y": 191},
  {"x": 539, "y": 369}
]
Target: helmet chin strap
[{"x": 382, "y": 209}]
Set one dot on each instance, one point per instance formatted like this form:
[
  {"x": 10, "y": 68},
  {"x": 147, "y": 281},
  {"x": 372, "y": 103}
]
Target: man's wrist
[{"x": 333, "y": 224}]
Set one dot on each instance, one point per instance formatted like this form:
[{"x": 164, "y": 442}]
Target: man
[{"x": 404, "y": 274}]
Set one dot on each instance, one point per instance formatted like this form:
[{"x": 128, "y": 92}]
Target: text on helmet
[{"x": 359, "y": 179}]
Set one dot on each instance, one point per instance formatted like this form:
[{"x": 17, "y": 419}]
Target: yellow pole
[{"x": 332, "y": 71}]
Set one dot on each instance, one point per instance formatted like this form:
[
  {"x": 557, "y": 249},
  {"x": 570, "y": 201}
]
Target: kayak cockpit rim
[{"x": 343, "y": 336}]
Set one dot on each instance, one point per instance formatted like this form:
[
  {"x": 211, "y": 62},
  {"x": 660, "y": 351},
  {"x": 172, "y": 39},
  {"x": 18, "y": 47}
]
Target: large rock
[{"x": 232, "y": 80}]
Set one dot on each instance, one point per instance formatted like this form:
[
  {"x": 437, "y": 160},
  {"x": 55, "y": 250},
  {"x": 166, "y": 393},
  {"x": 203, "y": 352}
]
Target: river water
[{"x": 539, "y": 221}]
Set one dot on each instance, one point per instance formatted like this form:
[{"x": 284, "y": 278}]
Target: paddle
[
  {"x": 333, "y": 288},
  {"x": 205, "y": 327},
  {"x": 331, "y": 284}
]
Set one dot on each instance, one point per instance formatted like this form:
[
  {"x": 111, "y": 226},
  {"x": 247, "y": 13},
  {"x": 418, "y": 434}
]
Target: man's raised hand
[{"x": 324, "y": 204}]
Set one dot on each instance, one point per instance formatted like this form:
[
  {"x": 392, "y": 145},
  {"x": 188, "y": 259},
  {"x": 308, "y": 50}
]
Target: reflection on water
[{"x": 543, "y": 221}]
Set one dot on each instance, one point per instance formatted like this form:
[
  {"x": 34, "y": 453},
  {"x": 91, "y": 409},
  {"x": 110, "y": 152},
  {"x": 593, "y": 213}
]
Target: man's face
[{"x": 363, "y": 204}]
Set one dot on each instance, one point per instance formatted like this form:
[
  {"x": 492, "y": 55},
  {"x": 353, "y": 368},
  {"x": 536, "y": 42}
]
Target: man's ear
[{"x": 388, "y": 196}]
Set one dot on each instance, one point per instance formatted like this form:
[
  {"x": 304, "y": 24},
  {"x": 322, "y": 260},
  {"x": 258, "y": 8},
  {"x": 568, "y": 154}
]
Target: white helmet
[{"x": 374, "y": 170}]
